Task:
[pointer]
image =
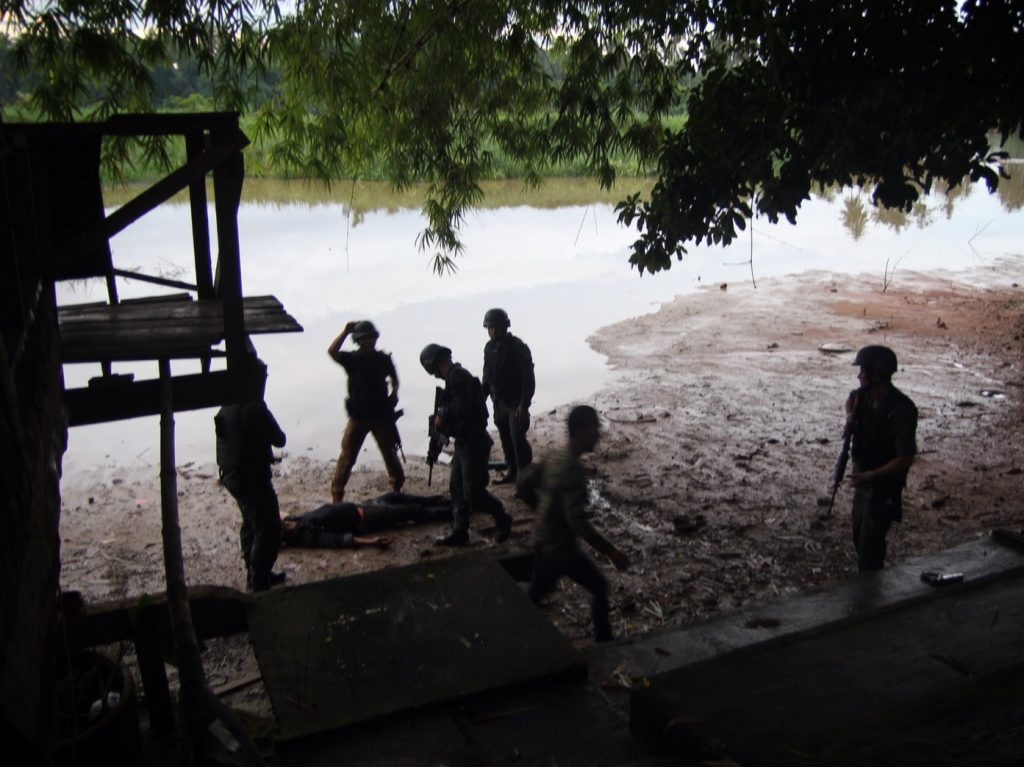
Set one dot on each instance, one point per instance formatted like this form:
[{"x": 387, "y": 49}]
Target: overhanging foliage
[{"x": 780, "y": 95}]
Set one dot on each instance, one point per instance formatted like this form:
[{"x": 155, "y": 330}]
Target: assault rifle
[
  {"x": 437, "y": 438},
  {"x": 844, "y": 455},
  {"x": 396, "y": 438}
]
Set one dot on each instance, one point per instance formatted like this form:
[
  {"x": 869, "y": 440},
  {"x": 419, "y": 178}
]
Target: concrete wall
[{"x": 32, "y": 442}]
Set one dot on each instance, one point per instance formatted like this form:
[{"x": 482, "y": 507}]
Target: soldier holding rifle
[
  {"x": 882, "y": 422},
  {"x": 461, "y": 413}
]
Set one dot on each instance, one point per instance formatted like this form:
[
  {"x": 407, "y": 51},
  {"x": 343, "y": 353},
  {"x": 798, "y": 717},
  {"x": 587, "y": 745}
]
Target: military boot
[
  {"x": 453, "y": 538},
  {"x": 502, "y": 527},
  {"x": 263, "y": 581}
]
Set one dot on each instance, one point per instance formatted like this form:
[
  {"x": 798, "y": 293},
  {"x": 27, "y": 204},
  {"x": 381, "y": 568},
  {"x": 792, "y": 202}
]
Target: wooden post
[
  {"x": 149, "y": 651},
  {"x": 190, "y": 666},
  {"x": 227, "y": 190},
  {"x": 201, "y": 711},
  {"x": 200, "y": 228},
  {"x": 200, "y": 221}
]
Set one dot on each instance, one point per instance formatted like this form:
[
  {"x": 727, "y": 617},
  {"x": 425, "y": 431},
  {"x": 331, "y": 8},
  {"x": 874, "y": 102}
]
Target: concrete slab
[
  {"x": 564, "y": 721},
  {"x": 345, "y": 651},
  {"x": 868, "y": 687},
  {"x": 860, "y": 596}
]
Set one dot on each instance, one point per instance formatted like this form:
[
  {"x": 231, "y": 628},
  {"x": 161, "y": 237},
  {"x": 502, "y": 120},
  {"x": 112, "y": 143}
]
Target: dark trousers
[
  {"x": 517, "y": 450},
  {"x": 260, "y": 533},
  {"x": 574, "y": 564},
  {"x": 468, "y": 481},
  {"x": 872, "y": 518}
]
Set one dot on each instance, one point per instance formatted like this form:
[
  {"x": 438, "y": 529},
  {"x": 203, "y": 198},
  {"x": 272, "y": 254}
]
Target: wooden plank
[
  {"x": 145, "y": 344},
  {"x": 120, "y": 401},
  {"x": 159, "y": 310},
  {"x": 217, "y": 611},
  {"x": 124, "y": 273},
  {"x": 166, "y": 124},
  {"x": 144, "y": 331}
]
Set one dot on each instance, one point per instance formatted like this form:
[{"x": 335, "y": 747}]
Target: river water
[{"x": 561, "y": 273}]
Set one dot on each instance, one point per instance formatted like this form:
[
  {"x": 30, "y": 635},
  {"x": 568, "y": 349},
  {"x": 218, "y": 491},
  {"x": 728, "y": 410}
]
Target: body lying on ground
[{"x": 347, "y": 525}]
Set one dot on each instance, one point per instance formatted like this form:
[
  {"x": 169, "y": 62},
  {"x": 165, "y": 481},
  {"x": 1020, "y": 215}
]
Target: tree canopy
[{"x": 779, "y": 95}]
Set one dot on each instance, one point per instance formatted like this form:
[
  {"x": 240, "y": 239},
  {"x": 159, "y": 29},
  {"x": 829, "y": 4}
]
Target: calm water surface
[{"x": 561, "y": 273}]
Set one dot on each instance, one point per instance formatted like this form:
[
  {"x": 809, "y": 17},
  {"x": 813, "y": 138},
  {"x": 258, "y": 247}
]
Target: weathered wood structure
[
  {"x": 56, "y": 227},
  {"x": 56, "y": 169}
]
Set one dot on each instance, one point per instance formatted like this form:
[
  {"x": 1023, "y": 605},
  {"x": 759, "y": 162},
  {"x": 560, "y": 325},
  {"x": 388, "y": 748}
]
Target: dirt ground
[{"x": 722, "y": 426}]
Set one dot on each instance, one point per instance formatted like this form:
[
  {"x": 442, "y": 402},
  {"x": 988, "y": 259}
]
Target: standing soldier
[
  {"x": 371, "y": 409},
  {"x": 557, "y": 487},
  {"x": 883, "y": 422},
  {"x": 508, "y": 380},
  {"x": 462, "y": 415},
  {"x": 246, "y": 432}
]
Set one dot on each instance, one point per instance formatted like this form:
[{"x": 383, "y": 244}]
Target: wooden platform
[
  {"x": 172, "y": 329},
  {"x": 349, "y": 650}
]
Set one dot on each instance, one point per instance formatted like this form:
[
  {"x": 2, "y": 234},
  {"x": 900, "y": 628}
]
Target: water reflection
[
  {"x": 857, "y": 210},
  {"x": 561, "y": 272},
  {"x": 855, "y": 215}
]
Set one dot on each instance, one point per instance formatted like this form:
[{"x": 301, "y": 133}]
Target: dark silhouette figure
[
  {"x": 883, "y": 424},
  {"x": 246, "y": 432},
  {"x": 347, "y": 525},
  {"x": 509, "y": 381},
  {"x": 557, "y": 488},
  {"x": 462, "y": 415},
  {"x": 371, "y": 409}
]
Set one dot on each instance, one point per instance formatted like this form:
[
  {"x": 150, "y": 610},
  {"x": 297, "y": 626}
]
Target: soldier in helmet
[
  {"x": 462, "y": 415},
  {"x": 246, "y": 431},
  {"x": 508, "y": 380},
  {"x": 371, "y": 408},
  {"x": 883, "y": 422}
]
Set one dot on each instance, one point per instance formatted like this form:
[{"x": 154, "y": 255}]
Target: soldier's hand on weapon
[
  {"x": 620, "y": 560},
  {"x": 861, "y": 478},
  {"x": 438, "y": 422}
]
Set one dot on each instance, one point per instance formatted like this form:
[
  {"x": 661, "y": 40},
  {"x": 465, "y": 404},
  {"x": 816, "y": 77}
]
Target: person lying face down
[{"x": 345, "y": 525}]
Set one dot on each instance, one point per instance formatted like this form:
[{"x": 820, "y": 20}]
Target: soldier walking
[
  {"x": 462, "y": 415},
  {"x": 557, "y": 488},
  {"x": 246, "y": 433}
]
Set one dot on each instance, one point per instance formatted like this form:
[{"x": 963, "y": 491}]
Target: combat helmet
[
  {"x": 496, "y": 318},
  {"x": 431, "y": 354},
  {"x": 363, "y": 329},
  {"x": 880, "y": 360}
]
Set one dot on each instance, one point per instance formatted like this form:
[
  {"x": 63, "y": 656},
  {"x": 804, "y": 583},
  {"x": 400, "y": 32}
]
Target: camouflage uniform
[{"x": 557, "y": 487}]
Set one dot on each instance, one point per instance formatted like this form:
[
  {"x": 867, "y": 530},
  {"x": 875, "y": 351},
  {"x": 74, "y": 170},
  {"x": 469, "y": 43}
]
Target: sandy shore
[{"x": 722, "y": 427}]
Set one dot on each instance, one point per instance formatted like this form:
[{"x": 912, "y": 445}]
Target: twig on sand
[{"x": 887, "y": 276}]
